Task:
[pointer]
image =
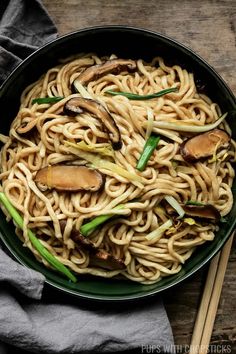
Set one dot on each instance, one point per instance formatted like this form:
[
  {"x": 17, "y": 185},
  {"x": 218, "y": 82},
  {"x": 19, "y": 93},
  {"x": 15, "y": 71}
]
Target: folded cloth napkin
[
  {"x": 24, "y": 26},
  {"x": 40, "y": 321},
  {"x": 56, "y": 326}
]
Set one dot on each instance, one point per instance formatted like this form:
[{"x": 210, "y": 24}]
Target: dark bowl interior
[{"x": 126, "y": 42}]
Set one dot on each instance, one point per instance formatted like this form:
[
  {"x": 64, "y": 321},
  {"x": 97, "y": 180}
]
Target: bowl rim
[
  {"x": 188, "y": 51},
  {"x": 61, "y": 38}
]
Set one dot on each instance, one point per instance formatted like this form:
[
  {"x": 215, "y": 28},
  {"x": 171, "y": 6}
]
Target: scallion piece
[
  {"x": 42, "y": 100},
  {"x": 89, "y": 227},
  {"x": 185, "y": 127},
  {"x": 81, "y": 89},
  {"x": 175, "y": 204},
  {"x": 35, "y": 241},
  {"x": 157, "y": 234},
  {"x": 148, "y": 149},
  {"x": 99, "y": 162},
  {"x": 223, "y": 220},
  {"x": 134, "y": 96}
]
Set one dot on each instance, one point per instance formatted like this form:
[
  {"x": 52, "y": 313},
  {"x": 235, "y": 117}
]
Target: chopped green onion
[
  {"x": 174, "y": 164},
  {"x": 104, "y": 149},
  {"x": 148, "y": 149},
  {"x": 81, "y": 89},
  {"x": 89, "y": 227},
  {"x": 41, "y": 100},
  {"x": 134, "y": 96},
  {"x": 100, "y": 163},
  {"x": 191, "y": 202},
  {"x": 184, "y": 127},
  {"x": 223, "y": 220},
  {"x": 35, "y": 241},
  {"x": 156, "y": 234},
  {"x": 190, "y": 221},
  {"x": 150, "y": 119},
  {"x": 175, "y": 204}
]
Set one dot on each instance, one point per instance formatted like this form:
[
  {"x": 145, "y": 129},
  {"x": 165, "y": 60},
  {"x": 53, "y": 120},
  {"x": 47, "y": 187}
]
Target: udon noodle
[{"x": 144, "y": 208}]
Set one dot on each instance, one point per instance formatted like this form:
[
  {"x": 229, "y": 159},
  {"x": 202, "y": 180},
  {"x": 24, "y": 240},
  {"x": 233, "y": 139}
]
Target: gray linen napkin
[
  {"x": 56, "y": 326},
  {"x": 49, "y": 323}
]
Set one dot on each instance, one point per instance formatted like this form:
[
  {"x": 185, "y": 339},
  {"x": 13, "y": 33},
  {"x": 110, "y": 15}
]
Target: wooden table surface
[{"x": 209, "y": 28}]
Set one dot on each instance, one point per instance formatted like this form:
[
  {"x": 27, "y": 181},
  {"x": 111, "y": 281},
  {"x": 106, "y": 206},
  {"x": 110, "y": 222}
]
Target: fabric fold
[
  {"x": 25, "y": 280},
  {"x": 66, "y": 328},
  {"x": 24, "y": 26}
]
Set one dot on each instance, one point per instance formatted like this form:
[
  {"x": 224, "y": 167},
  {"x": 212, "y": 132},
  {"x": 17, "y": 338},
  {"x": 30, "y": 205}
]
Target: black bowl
[{"x": 126, "y": 42}]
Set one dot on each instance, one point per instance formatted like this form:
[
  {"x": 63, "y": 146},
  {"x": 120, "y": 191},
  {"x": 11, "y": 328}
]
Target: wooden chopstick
[
  {"x": 202, "y": 311},
  {"x": 210, "y": 299}
]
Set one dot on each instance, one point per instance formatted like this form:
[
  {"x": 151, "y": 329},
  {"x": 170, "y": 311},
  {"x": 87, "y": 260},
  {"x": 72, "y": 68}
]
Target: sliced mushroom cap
[
  {"x": 83, "y": 242},
  {"x": 110, "y": 66},
  {"x": 98, "y": 257},
  {"x": 70, "y": 178},
  {"x": 105, "y": 260},
  {"x": 204, "y": 145},
  {"x": 206, "y": 211},
  {"x": 77, "y": 105},
  {"x": 79, "y": 239}
]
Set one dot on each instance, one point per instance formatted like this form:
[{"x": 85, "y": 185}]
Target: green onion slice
[
  {"x": 35, "y": 241},
  {"x": 223, "y": 220},
  {"x": 89, "y": 227},
  {"x": 41, "y": 100},
  {"x": 134, "y": 96},
  {"x": 148, "y": 149},
  {"x": 99, "y": 163},
  {"x": 175, "y": 204},
  {"x": 157, "y": 234},
  {"x": 184, "y": 127}
]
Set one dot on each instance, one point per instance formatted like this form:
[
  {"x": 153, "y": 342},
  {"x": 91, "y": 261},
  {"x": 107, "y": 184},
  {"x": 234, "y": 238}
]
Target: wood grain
[{"x": 209, "y": 28}]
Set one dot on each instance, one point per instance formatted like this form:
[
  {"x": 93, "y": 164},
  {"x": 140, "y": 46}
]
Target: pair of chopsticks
[{"x": 210, "y": 299}]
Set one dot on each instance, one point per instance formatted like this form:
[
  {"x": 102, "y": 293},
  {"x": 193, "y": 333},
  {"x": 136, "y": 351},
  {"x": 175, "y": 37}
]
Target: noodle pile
[{"x": 166, "y": 174}]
